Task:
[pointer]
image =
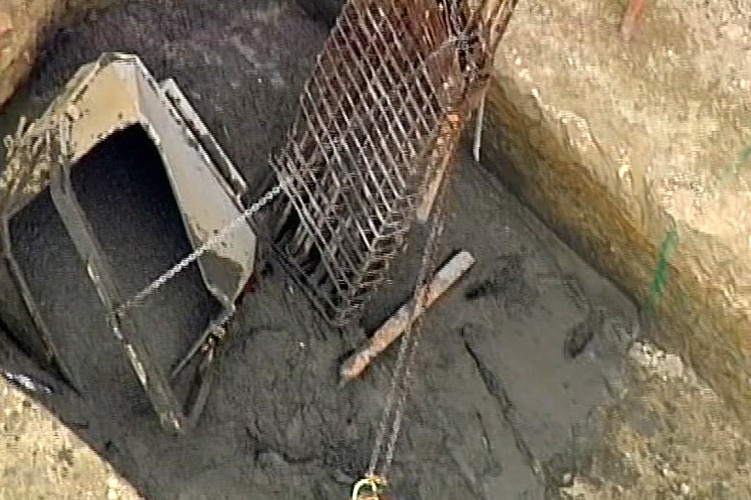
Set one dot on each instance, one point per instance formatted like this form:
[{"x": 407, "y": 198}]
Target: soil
[
  {"x": 43, "y": 459},
  {"x": 511, "y": 361},
  {"x": 669, "y": 436}
]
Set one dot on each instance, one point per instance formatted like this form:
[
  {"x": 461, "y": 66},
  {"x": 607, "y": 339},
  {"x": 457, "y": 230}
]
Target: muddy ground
[{"x": 505, "y": 379}]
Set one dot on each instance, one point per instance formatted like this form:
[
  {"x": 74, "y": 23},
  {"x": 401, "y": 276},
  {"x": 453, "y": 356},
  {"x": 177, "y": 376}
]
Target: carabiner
[{"x": 374, "y": 483}]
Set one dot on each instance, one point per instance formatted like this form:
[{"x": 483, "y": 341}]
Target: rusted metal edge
[{"x": 226, "y": 173}]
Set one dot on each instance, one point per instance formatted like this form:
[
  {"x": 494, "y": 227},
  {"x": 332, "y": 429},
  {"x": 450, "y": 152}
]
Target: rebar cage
[{"x": 378, "y": 122}]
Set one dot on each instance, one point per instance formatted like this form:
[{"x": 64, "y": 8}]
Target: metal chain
[
  {"x": 209, "y": 244},
  {"x": 416, "y": 328},
  {"x": 398, "y": 390},
  {"x": 217, "y": 238}
]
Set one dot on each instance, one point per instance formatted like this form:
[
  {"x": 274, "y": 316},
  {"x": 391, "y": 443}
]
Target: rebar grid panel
[{"x": 379, "y": 119}]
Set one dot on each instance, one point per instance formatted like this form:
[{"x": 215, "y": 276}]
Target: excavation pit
[
  {"x": 502, "y": 388},
  {"x": 277, "y": 422},
  {"x": 125, "y": 160}
]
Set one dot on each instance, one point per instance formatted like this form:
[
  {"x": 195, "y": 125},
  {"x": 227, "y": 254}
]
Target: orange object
[
  {"x": 447, "y": 276},
  {"x": 633, "y": 19}
]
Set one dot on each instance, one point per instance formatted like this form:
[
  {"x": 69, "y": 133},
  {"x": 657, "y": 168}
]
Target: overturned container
[{"x": 114, "y": 145}]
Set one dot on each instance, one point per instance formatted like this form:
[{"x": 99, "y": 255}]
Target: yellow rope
[{"x": 374, "y": 483}]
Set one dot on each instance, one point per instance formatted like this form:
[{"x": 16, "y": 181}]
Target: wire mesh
[{"x": 378, "y": 120}]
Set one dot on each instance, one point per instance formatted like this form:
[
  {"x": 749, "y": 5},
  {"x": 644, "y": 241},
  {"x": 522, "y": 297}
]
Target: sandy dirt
[
  {"x": 668, "y": 436},
  {"x": 513, "y": 363},
  {"x": 42, "y": 459}
]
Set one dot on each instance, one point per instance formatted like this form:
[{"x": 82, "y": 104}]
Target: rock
[{"x": 23, "y": 24}]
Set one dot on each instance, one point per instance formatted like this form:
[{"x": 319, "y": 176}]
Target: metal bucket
[{"x": 122, "y": 175}]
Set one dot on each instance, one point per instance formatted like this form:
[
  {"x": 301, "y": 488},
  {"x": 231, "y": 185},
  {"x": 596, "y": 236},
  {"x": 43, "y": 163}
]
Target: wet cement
[{"x": 510, "y": 366}]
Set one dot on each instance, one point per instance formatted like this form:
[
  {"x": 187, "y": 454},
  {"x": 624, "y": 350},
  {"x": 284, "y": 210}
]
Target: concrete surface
[
  {"x": 521, "y": 393},
  {"x": 623, "y": 149}
]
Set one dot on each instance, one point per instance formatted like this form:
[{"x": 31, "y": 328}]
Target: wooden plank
[{"x": 444, "y": 279}]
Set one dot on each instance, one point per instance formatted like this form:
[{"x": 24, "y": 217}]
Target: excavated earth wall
[{"x": 638, "y": 155}]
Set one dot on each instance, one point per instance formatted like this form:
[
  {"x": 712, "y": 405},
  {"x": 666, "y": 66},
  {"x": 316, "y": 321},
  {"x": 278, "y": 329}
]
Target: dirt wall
[
  {"x": 24, "y": 24},
  {"x": 612, "y": 140},
  {"x": 637, "y": 156},
  {"x": 41, "y": 458}
]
